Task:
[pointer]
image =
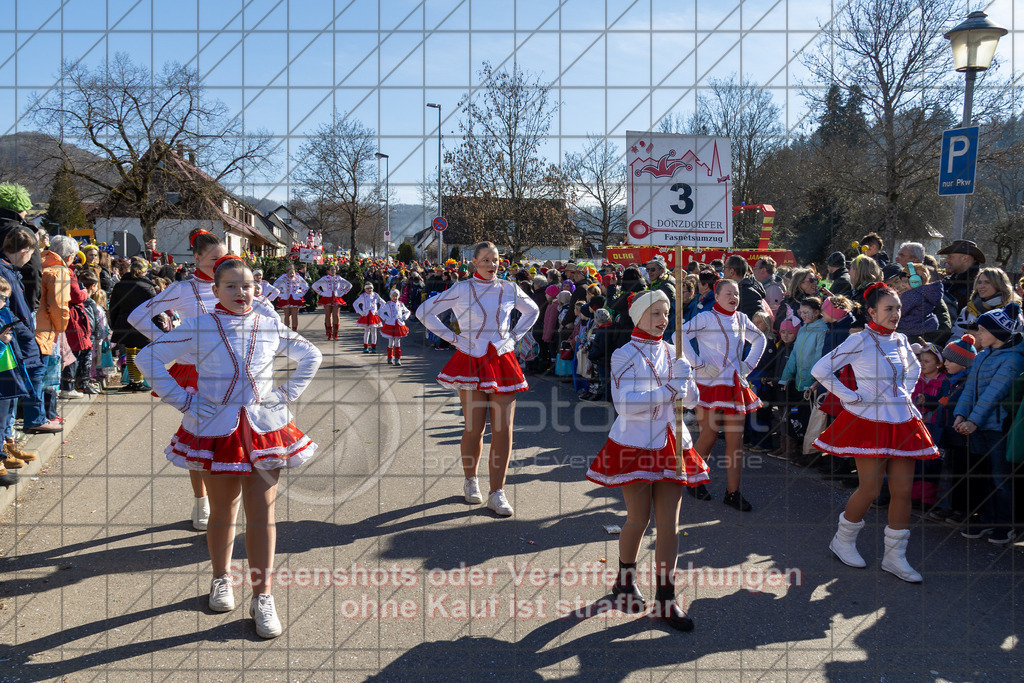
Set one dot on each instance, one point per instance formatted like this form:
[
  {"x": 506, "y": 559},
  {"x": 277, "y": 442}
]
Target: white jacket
[
  {"x": 483, "y": 309},
  {"x": 394, "y": 313},
  {"x": 236, "y": 370},
  {"x": 645, "y": 404},
  {"x": 268, "y": 292},
  {"x": 886, "y": 371},
  {"x": 721, "y": 339},
  {"x": 189, "y": 299},
  {"x": 367, "y": 303},
  {"x": 332, "y": 285},
  {"x": 294, "y": 287}
]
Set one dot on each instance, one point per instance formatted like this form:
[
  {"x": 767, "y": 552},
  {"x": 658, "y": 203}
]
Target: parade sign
[
  {"x": 307, "y": 255},
  {"x": 678, "y": 190}
]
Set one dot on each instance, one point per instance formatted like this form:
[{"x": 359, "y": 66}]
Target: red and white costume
[
  {"x": 879, "y": 419},
  {"x": 293, "y": 288},
  {"x": 366, "y": 305},
  {"x": 393, "y": 315},
  {"x": 189, "y": 299},
  {"x": 485, "y": 358},
  {"x": 719, "y": 366},
  {"x": 267, "y": 292},
  {"x": 641, "y": 445},
  {"x": 250, "y": 425},
  {"x": 331, "y": 288}
]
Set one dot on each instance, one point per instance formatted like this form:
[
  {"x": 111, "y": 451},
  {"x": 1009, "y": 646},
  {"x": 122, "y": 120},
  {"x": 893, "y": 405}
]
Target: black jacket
[
  {"x": 128, "y": 294},
  {"x": 751, "y": 296},
  {"x": 841, "y": 284},
  {"x": 31, "y": 272},
  {"x": 960, "y": 285}
]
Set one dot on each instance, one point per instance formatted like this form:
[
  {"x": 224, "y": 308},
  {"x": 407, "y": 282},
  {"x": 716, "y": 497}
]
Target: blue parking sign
[{"x": 958, "y": 162}]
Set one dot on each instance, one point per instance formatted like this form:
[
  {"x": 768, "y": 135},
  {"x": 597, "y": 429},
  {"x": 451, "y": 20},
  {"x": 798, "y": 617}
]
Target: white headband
[{"x": 643, "y": 301}]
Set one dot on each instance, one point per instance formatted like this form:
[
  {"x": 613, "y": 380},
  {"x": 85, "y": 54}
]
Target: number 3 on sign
[{"x": 685, "y": 204}]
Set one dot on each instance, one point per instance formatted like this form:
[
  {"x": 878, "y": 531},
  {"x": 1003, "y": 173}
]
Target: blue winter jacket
[
  {"x": 18, "y": 307},
  {"x": 806, "y": 352},
  {"x": 14, "y": 383},
  {"x": 992, "y": 374},
  {"x": 836, "y": 333}
]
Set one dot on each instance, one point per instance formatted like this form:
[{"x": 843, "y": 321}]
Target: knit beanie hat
[
  {"x": 644, "y": 300},
  {"x": 552, "y": 291},
  {"x": 961, "y": 351},
  {"x": 14, "y": 197},
  {"x": 790, "y": 324},
  {"x": 836, "y": 259},
  {"x": 1004, "y": 322},
  {"x": 830, "y": 309}
]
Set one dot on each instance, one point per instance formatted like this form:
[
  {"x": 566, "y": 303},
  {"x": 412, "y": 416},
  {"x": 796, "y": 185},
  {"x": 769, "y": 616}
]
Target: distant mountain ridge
[{"x": 32, "y": 159}]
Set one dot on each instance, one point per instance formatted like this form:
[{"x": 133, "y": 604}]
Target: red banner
[{"x": 641, "y": 255}]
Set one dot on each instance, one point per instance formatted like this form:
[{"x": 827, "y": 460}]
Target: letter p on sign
[{"x": 958, "y": 161}]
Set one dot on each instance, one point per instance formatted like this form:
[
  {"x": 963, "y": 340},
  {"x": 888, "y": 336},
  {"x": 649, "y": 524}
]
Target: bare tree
[
  {"x": 141, "y": 124},
  {"x": 892, "y": 53},
  {"x": 510, "y": 194},
  {"x": 335, "y": 169},
  {"x": 599, "y": 175}
]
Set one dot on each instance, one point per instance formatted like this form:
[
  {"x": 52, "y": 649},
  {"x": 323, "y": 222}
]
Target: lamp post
[
  {"x": 387, "y": 199},
  {"x": 974, "y": 45},
  {"x": 440, "y": 235}
]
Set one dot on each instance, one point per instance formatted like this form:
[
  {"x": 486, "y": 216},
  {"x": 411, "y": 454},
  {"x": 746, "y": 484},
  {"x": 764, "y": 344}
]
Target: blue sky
[{"x": 284, "y": 65}]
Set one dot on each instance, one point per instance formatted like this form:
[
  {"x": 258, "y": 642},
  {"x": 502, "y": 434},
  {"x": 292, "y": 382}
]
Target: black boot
[
  {"x": 666, "y": 608},
  {"x": 700, "y": 492},
  {"x": 628, "y": 597}
]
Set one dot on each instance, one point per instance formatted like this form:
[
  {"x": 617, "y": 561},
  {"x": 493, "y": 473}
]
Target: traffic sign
[
  {"x": 439, "y": 223},
  {"x": 958, "y": 161},
  {"x": 387, "y": 234}
]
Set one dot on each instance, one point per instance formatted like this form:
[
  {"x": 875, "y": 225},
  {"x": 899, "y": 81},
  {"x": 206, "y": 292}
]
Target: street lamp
[
  {"x": 974, "y": 45},
  {"x": 387, "y": 199},
  {"x": 440, "y": 234}
]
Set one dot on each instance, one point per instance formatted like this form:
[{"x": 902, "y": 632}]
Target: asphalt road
[{"x": 386, "y": 574}]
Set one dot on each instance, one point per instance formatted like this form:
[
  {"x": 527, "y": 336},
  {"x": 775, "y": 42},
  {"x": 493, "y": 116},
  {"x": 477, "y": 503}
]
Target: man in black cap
[
  {"x": 838, "y": 274},
  {"x": 963, "y": 261}
]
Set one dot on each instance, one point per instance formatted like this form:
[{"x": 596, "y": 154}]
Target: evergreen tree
[
  {"x": 65, "y": 211},
  {"x": 455, "y": 253},
  {"x": 406, "y": 252}
]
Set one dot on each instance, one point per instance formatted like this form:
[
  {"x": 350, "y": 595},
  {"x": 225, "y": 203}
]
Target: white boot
[
  {"x": 844, "y": 543},
  {"x": 201, "y": 513},
  {"x": 895, "y": 559}
]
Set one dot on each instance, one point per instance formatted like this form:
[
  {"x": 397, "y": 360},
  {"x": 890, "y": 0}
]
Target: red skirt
[
  {"x": 369, "y": 320},
  {"x": 330, "y": 301},
  {"x": 734, "y": 399},
  {"x": 294, "y": 302},
  {"x": 616, "y": 465},
  {"x": 491, "y": 373},
  {"x": 851, "y": 436},
  {"x": 394, "y": 330},
  {"x": 242, "y": 450},
  {"x": 185, "y": 375}
]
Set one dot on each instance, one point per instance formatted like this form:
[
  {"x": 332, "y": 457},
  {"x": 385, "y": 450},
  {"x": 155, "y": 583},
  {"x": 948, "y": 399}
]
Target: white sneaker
[
  {"x": 222, "y": 597},
  {"x": 71, "y": 393},
  {"x": 262, "y": 610},
  {"x": 472, "y": 491},
  {"x": 499, "y": 503},
  {"x": 201, "y": 513}
]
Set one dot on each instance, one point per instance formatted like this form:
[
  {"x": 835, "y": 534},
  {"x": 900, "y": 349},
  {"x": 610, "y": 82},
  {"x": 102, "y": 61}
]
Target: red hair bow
[
  {"x": 224, "y": 259},
  {"x": 197, "y": 233},
  {"x": 878, "y": 285}
]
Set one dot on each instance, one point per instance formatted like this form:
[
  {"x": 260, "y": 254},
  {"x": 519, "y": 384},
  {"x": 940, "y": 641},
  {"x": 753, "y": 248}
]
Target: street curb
[{"x": 44, "y": 445}]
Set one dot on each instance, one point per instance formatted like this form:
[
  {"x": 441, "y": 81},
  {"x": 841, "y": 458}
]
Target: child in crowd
[
  {"x": 929, "y": 386},
  {"x": 90, "y": 281},
  {"x": 549, "y": 337},
  {"x": 779, "y": 394},
  {"x": 14, "y": 384},
  {"x": 919, "y": 301},
  {"x": 965, "y": 491},
  {"x": 103, "y": 364},
  {"x": 806, "y": 352},
  {"x": 838, "y": 314},
  {"x": 599, "y": 353},
  {"x": 705, "y": 291},
  {"x": 981, "y": 415},
  {"x": 758, "y": 436},
  {"x": 237, "y": 430}
]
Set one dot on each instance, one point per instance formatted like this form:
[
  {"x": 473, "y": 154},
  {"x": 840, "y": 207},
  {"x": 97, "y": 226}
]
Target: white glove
[
  {"x": 678, "y": 384},
  {"x": 680, "y": 368},
  {"x": 275, "y": 399}
]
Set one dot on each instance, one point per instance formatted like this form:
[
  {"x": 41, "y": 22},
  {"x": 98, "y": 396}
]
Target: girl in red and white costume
[
  {"x": 484, "y": 369},
  {"x": 367, "y": 305},
  {"x": 237, "y": 430},
  {"x": 640, "y": 454},
  {"x": 189, "y": 299},
  {"x": 721, "y": 371},
  {"x": 880, "y": 426},
  {"x": 394, "y": 314},
  {"x": 265, "y": 291},
  {"x": 331, "y": 288},
  {"x": 293, "y": 289}
]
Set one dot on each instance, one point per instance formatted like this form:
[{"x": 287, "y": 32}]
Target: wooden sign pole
[{"x": 678, "y": 270}]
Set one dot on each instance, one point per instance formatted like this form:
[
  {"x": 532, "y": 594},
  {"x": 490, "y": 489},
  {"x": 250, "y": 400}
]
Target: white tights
[{"x": 370, "y": 336}]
